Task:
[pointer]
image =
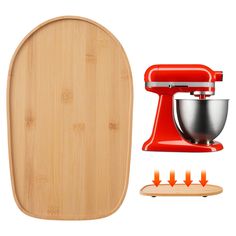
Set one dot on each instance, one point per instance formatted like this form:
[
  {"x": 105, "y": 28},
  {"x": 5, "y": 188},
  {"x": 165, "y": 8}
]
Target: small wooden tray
[{"x": 181, "y": 190}]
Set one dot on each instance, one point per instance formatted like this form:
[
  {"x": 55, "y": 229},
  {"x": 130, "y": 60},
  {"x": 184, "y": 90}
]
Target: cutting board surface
[
  {"x": 69, "y": 121},
  {"x": 181, "y": 190}
]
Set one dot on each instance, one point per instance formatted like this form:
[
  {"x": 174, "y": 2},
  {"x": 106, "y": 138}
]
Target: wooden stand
[
  {"x": 69, "y": 121},
  {"x": 181, "y": 190}
]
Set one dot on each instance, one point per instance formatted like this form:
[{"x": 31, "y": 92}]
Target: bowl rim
[{"x": 201, "y": 100}]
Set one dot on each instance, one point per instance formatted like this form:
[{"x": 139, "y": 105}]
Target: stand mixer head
[{"x": 200, "y": 120}]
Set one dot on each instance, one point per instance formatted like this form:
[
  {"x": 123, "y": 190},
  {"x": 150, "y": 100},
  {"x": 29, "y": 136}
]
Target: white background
[{"x": 151, "y": 32}]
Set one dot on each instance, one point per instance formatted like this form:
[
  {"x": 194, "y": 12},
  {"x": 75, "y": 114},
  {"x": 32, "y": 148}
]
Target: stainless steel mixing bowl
[{"x": 201, "y": 121}]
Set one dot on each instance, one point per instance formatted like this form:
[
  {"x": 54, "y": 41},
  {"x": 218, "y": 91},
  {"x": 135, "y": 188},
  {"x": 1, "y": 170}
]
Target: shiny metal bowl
[{"x": 201, "y": 121}]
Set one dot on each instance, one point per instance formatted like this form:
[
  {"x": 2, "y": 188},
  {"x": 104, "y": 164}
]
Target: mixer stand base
[
  {"x": 181, "y": 146},
  {"x": 181, "y": 190}
]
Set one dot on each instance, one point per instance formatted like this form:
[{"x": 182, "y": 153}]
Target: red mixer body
[{"x": 166, "y": 81}]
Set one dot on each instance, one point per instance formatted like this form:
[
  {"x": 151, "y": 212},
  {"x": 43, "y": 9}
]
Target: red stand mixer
[{"x": 200, "y": 120}]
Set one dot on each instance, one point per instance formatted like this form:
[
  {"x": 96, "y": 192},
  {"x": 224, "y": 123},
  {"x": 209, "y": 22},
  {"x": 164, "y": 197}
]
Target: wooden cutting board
[
  {"x": 181, "y": 190},
  {"x": 69, "y": 121}
]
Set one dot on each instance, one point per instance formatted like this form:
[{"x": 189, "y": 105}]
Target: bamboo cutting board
[
  {"x": 181, "y": 190},
  {"x": 69, "y": 121}
]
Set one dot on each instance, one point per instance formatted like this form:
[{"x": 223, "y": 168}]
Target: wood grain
[
  {"x": 181, "y": 190},
  {"x": 69, "y": 121}
]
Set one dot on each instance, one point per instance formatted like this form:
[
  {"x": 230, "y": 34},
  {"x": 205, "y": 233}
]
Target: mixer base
[
  {"x": 181, "y": 146},
  {"x": 181, "y": 190}
]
